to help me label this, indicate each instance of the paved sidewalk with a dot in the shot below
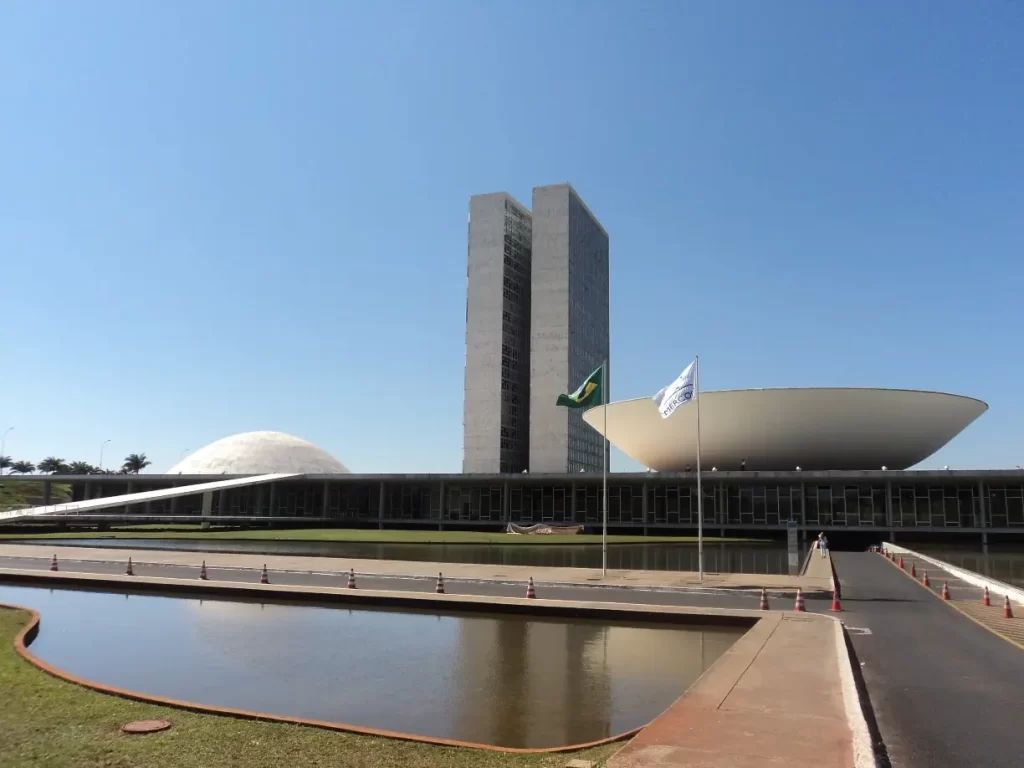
(784, 707)
(814, 580)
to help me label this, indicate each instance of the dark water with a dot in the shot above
(492, 679)
(1004, 563)
(718, 558)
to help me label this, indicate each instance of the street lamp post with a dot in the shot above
(102, 446)
(3, 444)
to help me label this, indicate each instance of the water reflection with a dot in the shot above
(490, 679)
(722, 558)
(1004, 563)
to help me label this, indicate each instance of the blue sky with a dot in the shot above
(217, 217)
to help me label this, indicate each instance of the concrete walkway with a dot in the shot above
(817, 578)
(784, 707)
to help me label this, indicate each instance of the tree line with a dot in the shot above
(51, 465)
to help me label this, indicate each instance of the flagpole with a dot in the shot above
(604, 473)
(700, 495)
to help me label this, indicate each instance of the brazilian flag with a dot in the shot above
(590, 393)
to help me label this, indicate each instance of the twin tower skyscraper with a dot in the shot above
(536, 326)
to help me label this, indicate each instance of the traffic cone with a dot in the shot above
(836, 607)
(202, 571)
(901, 563)
(799, 607)
(129, 571)
(1007, 612)
(984, 597)
(53, 564)
(440, 585)
(913, 570)
(264, 577)
(764, 600)
(530, 592)
(352, 578)
(924, 579)
(945, 591)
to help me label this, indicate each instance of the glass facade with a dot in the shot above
(515, 341)
(588, 326)
(905, 502)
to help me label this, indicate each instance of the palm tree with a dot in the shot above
(53, 466)
(135, 463)
(5, 461)
(23, 467)
(81, 468)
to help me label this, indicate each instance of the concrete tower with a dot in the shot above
(496, 420)
(569, 326)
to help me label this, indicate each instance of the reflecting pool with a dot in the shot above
(1004, 562)
(485, 678)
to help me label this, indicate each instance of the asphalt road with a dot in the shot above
(712, 598)
(945, 692)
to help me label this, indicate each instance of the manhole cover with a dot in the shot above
(146, 726)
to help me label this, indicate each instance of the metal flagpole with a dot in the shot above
(700, 495)
(604, 473)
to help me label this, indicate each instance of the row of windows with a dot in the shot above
(953, 506)
(515, 264)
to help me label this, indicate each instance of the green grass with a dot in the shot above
(16, 494)
(358, 535)
(48, 722)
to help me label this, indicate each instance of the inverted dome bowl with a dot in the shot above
(781, 429)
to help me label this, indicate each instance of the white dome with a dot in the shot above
(259, 453)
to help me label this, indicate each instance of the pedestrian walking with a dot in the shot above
(822, 544)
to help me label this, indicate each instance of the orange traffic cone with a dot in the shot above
(53, 564)
(836, 607)
(202, 571)
(913, 570)
(799, 607)
(984, 597)
(924, 579)
(1007, 612)
(264, 577)
(945, 591)
(530, 592)
(440, 585)
(352, 578)
(764, 600)
(901, 563)
(129, 571)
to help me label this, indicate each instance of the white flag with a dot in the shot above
(679, 392)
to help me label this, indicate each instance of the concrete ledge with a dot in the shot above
(366, 597)
(673, 581)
